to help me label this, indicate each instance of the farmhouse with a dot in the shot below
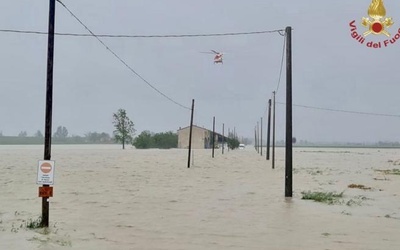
(201, 138)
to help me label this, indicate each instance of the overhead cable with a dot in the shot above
(282, 59)
(120, 59)
(342, 111)
(144, 36)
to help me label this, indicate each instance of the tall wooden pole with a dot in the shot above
(273, 133)
(258, 137)
(223, 137)
(213, 137)
(190, 134)
(261, 136)
(49, 104)
(268, 128)
(255, 138)
(229, 134)
(289, 136)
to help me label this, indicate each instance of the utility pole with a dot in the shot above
(269, 128)
(273, 135)
(261, 136)
(223, 137)
(258, 138)
(255, 138)
(49, 104)
(229, 134)
(289, 136)
(213, 139)
(190, 134)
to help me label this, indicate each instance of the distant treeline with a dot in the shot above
(144, 140)
(38, 139)
(60, 136)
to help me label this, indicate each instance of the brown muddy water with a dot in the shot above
(108, 198)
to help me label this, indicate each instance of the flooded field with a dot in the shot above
(108, 198)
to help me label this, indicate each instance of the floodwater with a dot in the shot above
(108, 198)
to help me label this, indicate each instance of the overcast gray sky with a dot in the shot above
(330, 69)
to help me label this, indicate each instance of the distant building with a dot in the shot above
(201, 138)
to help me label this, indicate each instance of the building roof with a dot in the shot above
(193, 126)
(202, 129)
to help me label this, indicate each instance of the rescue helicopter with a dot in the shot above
(218, 56)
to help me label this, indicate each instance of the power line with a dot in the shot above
(280, 71)
(283, 56)
(120, 59)
(342, 110)
(144, 36)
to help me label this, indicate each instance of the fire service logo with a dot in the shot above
(376, 24)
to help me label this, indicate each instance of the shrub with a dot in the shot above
(324, 197)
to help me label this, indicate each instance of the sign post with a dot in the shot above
(49, 105)
(45, 177)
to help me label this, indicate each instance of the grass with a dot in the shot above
(34, 224)
(324, 197)
(317, 172)
(359, 186)
(345, 212)
(394, 171)
(397, 162)
(353, 202)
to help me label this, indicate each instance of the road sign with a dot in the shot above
(45, 174)
(45, 191)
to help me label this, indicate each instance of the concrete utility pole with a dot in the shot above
(273, 134)
(258, 137)
(261, 136)
(229, 134)
(255, 138)
(223, 137)
(190, 134)
(289, 136)
(268, 128)
(213, 139)
(49, 104)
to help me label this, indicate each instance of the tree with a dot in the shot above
(144, 140)
(22, 134)
(94, 137)
(38, 134)
(61, 132)
(232, 141)
(124, 127)
(166, 140)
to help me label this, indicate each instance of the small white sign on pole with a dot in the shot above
(45, 174)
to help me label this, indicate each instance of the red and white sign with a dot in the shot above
(45, 174)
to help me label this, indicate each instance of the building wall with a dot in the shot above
(200, 137)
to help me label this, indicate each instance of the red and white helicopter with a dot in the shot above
(218, 56)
